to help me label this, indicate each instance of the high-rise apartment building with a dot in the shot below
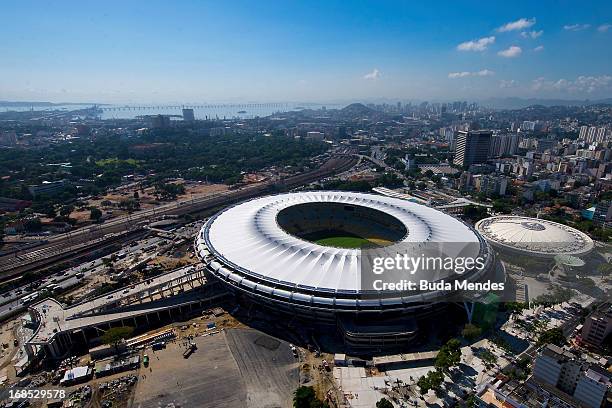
(472, 147)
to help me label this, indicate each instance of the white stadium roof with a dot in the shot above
(248, 242)
(534, 236)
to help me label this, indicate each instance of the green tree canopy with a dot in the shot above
(384, 403)
(471, 332)
(115, 335)
(305, 397)
(432, 381)
(95, 214)
(553, 336)
(449, 355)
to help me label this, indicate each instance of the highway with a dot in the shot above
(85, 238)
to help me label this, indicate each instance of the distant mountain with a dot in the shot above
(357, 109)
(518, 103)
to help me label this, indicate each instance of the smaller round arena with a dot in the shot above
(533, 237)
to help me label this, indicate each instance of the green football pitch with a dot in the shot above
(343, 242)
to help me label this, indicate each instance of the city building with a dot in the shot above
(11, 204)
(602, 216)
(565, 372)
(47, 187)
(472, 147)
(220, 131)
(188, 115)
(315, 135)
(491, 185)
(557, 367)
(503, 144)
(528, 125)
(543, 145)
(8, 138)
(592, 387)
(597, 326)
(159, 121)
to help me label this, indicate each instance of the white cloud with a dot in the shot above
(576, 27)
(463, 74)
(532, 34)
(374, 75)
(582, 84)
(508, 83)
(511, 52)
(519, 24)
(484, 72)
(538, 83)
(539, 48)
(476, 45)
(604, 28)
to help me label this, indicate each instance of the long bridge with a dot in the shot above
(203, 106)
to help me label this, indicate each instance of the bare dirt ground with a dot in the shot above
(234, 368)
(146, 198)
(7, 335)
(208, 378)
(268, 367)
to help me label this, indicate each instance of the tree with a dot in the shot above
(471, 332)
(605, 269)
(115, 335)
(475, 213)
(66, 210)
(305, 397)
(169, 190)
(471, 401)
(95, 214)
(384, 403)
(32, 224)
(431, 381)
(449, 355)
(554, 336)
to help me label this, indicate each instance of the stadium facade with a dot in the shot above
(274, 251)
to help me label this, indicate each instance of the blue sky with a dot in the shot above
(199, 51)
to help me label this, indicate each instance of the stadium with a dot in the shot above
(533, 237)
(299, 253)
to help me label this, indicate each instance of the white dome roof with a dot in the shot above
(534, 236)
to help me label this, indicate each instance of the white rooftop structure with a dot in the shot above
(246, 246)
(534, 236)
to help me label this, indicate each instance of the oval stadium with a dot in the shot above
(300, 253)
(533, 237)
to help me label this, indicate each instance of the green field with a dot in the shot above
(342, 239)
(343, 242)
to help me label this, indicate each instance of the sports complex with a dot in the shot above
(533, 237)
(300, 253)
